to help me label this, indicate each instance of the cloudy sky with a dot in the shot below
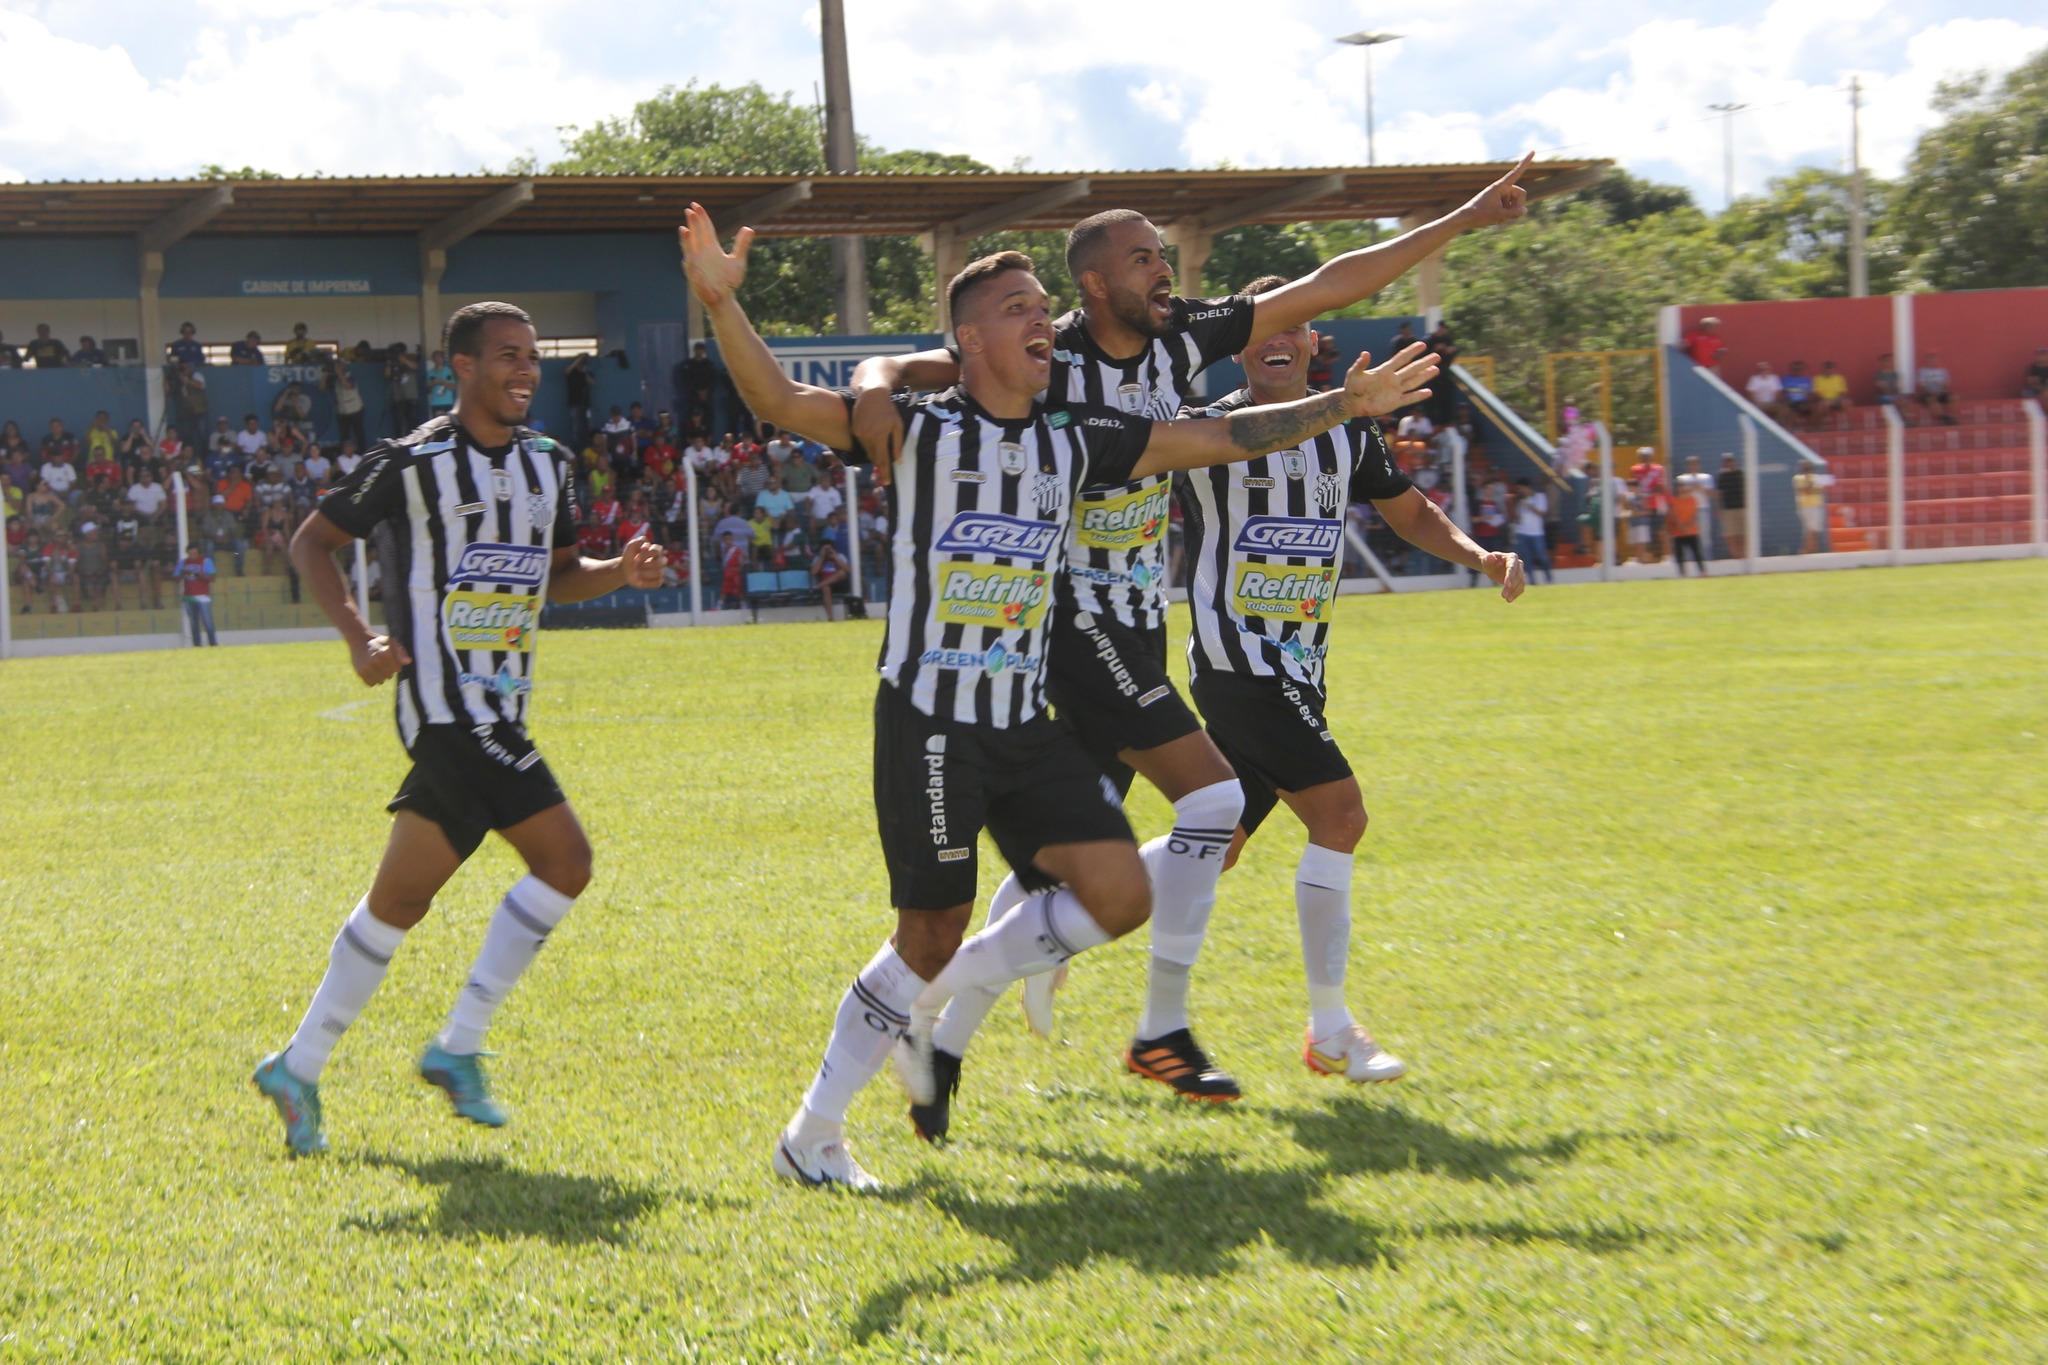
(102, 89)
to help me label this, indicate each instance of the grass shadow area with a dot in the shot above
(1355, 1137)
(483, 1199)
(1195, 1215)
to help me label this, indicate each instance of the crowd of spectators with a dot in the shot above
(92, 515)
(767, 501)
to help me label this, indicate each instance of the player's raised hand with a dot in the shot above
(1506, 570)
(878, 428)
(714, 273)
(643, 562)
(378, 658)
(1383, 389)
(1503, 201)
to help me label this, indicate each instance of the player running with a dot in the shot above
(989, 479)
(1266, 541)
(475, 519)
(1134, 346)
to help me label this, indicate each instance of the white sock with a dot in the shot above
(965, 1012)
(1184, 866)
(872, 1015)
(1322, 905)
(519, 930)
(1037, 936)
(355, 967)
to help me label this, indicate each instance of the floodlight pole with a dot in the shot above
(1368, 40)
(842, 157)
(1859, 267)
(1727, 113)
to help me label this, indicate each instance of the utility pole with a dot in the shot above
(849, 254)
(1859, 267)
(1727, 113)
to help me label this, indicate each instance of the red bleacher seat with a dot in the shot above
(1967, 485)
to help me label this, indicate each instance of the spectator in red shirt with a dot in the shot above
(633, 521)
(827, 570)
(604, 510)
(1703, 343)
(594, 539)
(732, 584)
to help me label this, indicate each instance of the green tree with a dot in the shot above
(1802, 220)
(1972, 210)
(746, 130)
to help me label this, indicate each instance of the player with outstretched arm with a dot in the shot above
(1135, 346)
(474, 517)
(1266, 542)
(988, 480)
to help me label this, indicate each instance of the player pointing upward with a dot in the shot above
(1135, 346)
(475, 521)
(988, 483)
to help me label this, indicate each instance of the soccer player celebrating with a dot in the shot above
(1266, 540)
(475, 521)
(989, 478)
(1136, 347)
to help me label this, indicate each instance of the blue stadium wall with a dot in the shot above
(636, 289)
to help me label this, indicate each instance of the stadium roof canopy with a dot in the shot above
(775, 205)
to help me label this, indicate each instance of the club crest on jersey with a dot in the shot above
(1329, 492)
(1049, 492)
(1010, 457)
(540, 508)
(1303, 536)
(992, 533)
(501, 484)
(484, 562)
(1296, 464)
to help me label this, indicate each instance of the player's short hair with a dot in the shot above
(465, 334)
(1085, 240)
(1265, 284)
(979, 273)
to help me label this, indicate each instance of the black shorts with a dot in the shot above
(1107, 683)
(938, 784)
(1273, 732)
(470, 784)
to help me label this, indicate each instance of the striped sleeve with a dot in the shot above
(370, 495)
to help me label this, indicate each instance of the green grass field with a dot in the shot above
(1708, 915)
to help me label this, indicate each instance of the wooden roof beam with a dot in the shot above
(1261, 207)
(186, 219)
(760, 209)
(998, 216)
(477, 216)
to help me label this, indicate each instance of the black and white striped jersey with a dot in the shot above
(1265, 538)
(979, 508)
(1116, 561)
(464, 537)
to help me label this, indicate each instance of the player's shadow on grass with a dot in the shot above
(1192, 1217)
(483, 1199)
(1360, 1138)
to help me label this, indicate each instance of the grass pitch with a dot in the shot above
(1709, 916)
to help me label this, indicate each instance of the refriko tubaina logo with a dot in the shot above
(1135, 518)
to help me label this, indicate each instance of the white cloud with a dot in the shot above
(127, 88)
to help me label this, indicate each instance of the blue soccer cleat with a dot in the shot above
(297, 1101)
(463, 1078)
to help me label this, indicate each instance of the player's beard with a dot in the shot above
(1134, 310)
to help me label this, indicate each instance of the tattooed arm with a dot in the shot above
(1192, 443)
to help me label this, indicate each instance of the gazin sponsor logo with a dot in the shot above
(1305, 537)
(992, 533)
(485, 562)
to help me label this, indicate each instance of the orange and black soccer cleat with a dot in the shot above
(1176, 1059)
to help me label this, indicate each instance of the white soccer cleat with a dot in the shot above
(826, 1163)
(1352, 1054)
(912, 1058)
(1036, 997)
